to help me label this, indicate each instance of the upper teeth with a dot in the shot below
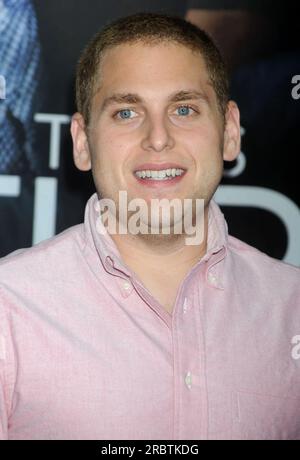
(161, 174)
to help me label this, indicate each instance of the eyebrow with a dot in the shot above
(133, 98)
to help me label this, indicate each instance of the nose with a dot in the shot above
(157, 135)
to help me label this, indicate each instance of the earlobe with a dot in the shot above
(81, 151)
(232, 134)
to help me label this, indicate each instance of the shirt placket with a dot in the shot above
(190, 393)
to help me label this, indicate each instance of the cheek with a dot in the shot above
(110, 165)
(115, 151)
(207, 157)
(106, 153)
(205, 147)
(206, 134)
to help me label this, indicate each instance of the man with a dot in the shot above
(127, 335)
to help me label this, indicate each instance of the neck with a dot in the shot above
(160, 253)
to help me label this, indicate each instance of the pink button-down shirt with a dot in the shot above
(86, 352)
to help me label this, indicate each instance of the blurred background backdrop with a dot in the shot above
(42, 193)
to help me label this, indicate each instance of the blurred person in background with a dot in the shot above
(259, 42)
(20, 66)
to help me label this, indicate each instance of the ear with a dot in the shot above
(81, 151)
(232, 134)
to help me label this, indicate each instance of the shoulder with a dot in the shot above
(268, 273)
(42, 259)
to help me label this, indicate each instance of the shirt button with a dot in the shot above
(126, 286)
(185, 305)
(212, 278)
(188, 380)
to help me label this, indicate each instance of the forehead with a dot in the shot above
(151, 68)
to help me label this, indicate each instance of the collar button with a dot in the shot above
(212, 279)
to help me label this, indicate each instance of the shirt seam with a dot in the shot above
(9, 370)
(202, 346)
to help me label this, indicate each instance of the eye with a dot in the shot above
(123, 114)
(185, 110)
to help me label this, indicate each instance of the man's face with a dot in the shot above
(168, 120)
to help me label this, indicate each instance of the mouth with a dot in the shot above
(154, 175)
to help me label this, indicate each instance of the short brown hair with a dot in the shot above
(148, 28)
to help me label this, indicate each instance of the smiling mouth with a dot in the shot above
(160, 174)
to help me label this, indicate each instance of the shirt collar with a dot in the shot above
(217, 244)
(100, 240)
